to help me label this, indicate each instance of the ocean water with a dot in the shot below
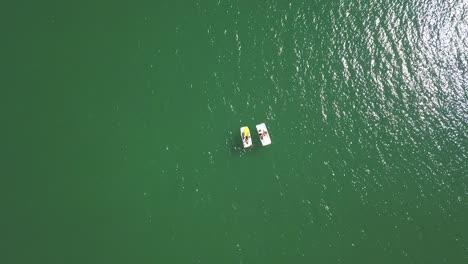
(120, 131)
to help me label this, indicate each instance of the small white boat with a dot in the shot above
(263, 134)
(246, 137)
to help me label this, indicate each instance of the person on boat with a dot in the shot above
(246, 134)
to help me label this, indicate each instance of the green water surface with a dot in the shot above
(120, 131)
